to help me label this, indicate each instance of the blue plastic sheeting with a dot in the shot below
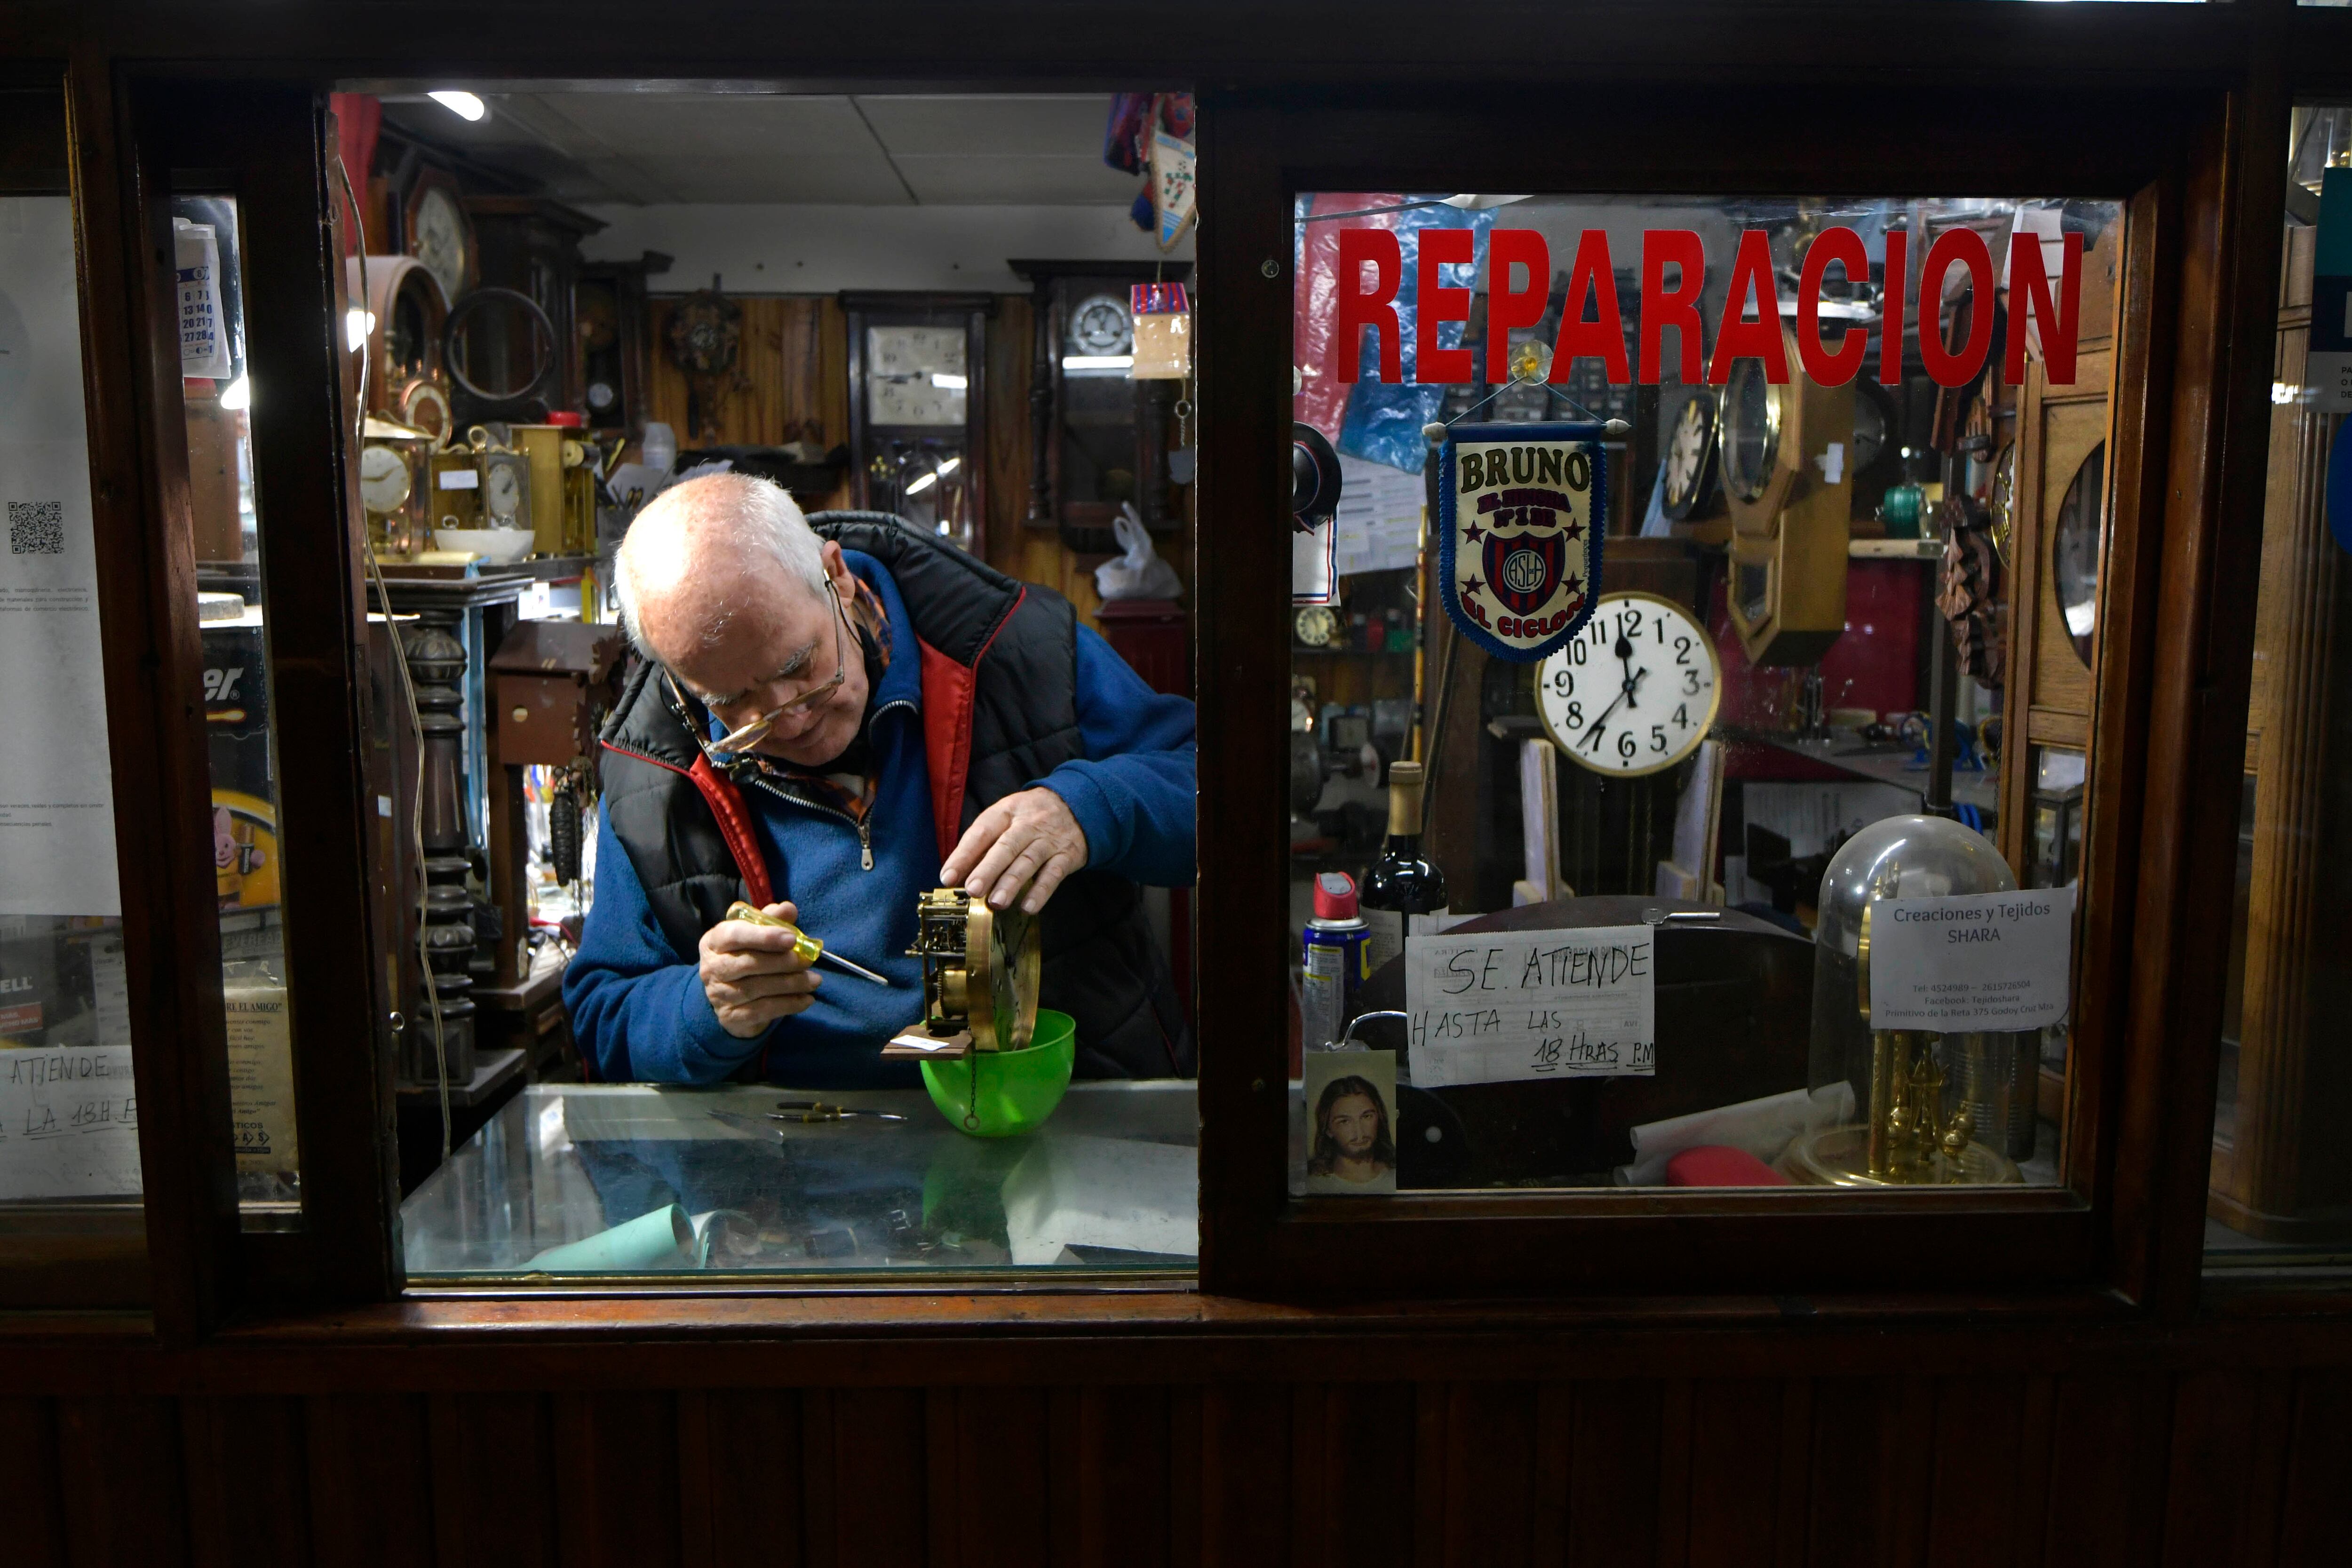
(1384, 423)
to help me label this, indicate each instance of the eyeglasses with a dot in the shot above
(745, 736)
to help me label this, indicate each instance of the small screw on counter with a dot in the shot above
(803, 945)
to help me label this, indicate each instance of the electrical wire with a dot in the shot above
(416, 717)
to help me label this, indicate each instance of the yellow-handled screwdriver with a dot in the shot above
(805, 947)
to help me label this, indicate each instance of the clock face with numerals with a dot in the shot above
(1634, 692)
(915, 375)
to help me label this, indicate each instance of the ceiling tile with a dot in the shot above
(741, 179)
(988, 179)
(1058, 125)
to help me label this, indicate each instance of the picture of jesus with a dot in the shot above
(1352, 1146)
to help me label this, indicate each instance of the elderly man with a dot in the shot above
(829, 721)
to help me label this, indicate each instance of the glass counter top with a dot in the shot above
(571, 1179)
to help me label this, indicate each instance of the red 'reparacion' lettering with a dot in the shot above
(1371, 266)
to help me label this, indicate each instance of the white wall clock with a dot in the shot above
(1634, 692)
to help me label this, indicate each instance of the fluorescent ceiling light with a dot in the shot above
(1097, 362)
(458, 101)
(946, 382)
(920, 485)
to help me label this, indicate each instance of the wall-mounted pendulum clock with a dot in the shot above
(919, 409)
(1100, 438)
(1788, 473)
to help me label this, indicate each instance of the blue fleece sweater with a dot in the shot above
(637, 1006)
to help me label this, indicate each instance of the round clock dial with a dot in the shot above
(383, 480)
(440, 240)
(1634, 692)
(1690, 457)
(1316, 626)
(502, 493)
(1751, 431)
(1100, 325)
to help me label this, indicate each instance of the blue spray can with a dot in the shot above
(1336, 958)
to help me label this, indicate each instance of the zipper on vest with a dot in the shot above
(865, 825)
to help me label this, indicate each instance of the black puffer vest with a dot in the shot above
(1000, 709)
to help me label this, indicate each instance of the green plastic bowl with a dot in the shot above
(1002, 1094)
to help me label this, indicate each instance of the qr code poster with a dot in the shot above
(37, 527)
(57, 801)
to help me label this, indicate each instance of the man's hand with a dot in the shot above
(1028, 836)
(752, 975)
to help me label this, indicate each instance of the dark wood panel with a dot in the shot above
(371, 1480)
(2318, 1467)
(28, 1451)
(2106, 1477)
(119, 1474)
(249, 1497)
(494, 1493)
(735, 1444)
(865, 1498)
(1734, 1444)
(1246, 1516)
(2215, 1467)
(618, 1482)
(1491, 1479)
(1614, 1431)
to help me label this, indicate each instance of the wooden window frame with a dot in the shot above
(2179, 160)
(2129, 1224)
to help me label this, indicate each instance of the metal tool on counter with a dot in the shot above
(804, 946)
(819, 1111)
(765, 1123)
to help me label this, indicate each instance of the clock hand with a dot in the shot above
(1621, 697)
(1625, 657)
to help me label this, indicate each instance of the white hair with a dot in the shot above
(736, 514)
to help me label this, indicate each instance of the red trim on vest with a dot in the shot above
(735, 825)
(948, 689)
(734, 820)
(947, 739)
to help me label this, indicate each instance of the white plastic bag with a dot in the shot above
(1139, 573)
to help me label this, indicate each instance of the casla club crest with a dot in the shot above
(1519, 557)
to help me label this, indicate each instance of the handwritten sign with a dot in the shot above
(1977, 962)
(69, 1123)
(1495, 1006)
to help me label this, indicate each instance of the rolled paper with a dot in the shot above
(661, 1239)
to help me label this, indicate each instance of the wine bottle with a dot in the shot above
(1401, 884)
